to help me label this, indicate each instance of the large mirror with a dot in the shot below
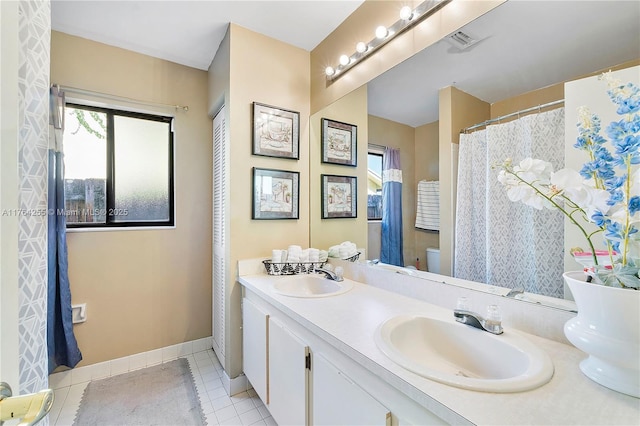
(518, 55)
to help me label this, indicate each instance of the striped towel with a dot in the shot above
(428, 209)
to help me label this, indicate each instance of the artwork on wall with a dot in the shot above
(276, 132)
(339, 143)
(339, 196)
(275, 194)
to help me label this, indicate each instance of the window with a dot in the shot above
(118, 168)
(374, 186)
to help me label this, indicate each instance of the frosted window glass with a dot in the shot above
(141, 171)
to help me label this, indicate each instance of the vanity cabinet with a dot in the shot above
(303, 380)
(255, 329)
(338, 400)
(288, 375)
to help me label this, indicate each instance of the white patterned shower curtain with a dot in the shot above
(500, 242)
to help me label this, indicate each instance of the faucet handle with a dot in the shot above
(463, 304)
(339, 271)
(494, 314)
(493, 321)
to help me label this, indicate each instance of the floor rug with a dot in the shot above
(160, 395)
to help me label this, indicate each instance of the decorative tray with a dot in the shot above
(291, 268)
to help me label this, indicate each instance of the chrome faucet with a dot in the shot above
(491, 324)
(330, 274)
(515, 291)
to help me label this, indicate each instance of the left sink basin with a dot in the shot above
(309, 285)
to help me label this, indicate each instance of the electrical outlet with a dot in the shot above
(79, 313)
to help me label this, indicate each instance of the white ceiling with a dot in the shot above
(526, 44)
(189, 32)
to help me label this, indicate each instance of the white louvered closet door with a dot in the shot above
(219, 224)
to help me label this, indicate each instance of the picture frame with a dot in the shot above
(339, 196)
(276, 132)
(276, 194)
(339, 142)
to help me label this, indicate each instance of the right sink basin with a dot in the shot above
(459, 355)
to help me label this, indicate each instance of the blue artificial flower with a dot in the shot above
(613, 234)
(628, 145)
(615, 246)
(581, 143)
(599, 219)
(616, 197)
(588, 169)
(626, 104)
(616, 130)
(615, 182)
(634, 205)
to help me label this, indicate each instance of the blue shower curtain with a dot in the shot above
(62, 345)
(391, 245)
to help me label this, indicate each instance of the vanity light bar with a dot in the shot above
(408, 19)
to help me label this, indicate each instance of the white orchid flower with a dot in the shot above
(507, 179)
(581, 192)
(596, 200)
(526, 195)
(531, 169)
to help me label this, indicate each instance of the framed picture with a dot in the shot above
(276, 132)
(339, 142)
(275, 194)
(339, 196)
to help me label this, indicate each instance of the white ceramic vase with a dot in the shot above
(607, 328)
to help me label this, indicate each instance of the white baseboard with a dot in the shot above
(236, 385)
(125, 364)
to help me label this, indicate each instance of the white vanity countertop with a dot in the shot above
(349, 321)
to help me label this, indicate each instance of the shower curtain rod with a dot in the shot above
(513, 114)
(119, 98)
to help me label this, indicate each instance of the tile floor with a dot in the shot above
(245, 408)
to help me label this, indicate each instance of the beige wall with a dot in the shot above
(151, 288)
(324, 233)
(271, 72)
(457, 110)
(427, 167)
(544, 95)
(395, 135)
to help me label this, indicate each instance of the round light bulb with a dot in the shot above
(361, 47)
(344, 60)
(329, 71)
(406, 13)
(381, 32)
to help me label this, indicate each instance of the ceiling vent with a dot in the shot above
(462, 40)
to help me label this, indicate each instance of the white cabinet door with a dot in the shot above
(255, 323)
(339, 401)
(288, 376)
